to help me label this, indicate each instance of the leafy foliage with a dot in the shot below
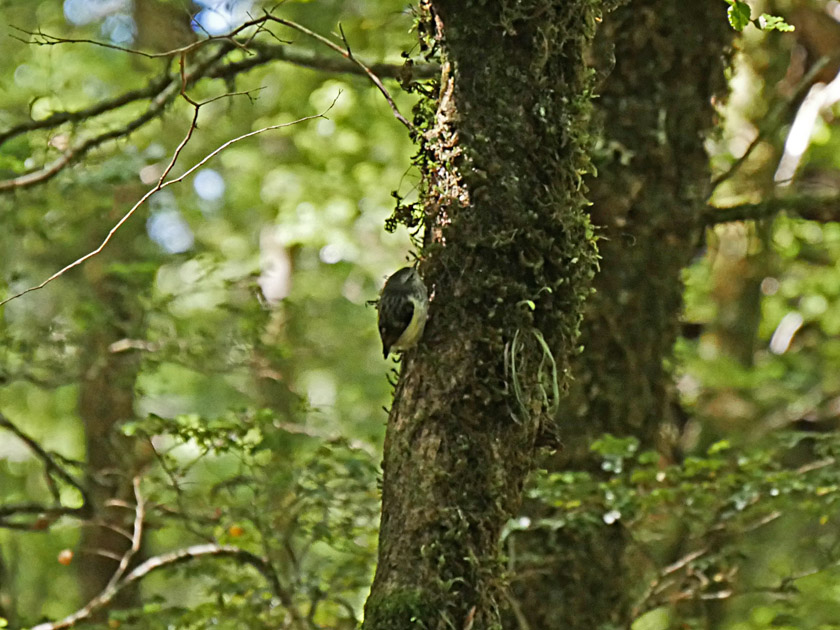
(229, 312)
(697, 529)
(739, 15)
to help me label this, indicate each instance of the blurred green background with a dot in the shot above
(221, 349)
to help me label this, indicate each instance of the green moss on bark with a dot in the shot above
(655, 107)
(510, 254)
(403, 609)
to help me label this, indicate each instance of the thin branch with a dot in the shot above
(102, 553)
(179, 493)
(44, 39)
(46, 515)
(97, 522)
(353, 64)
(160, 186)
(813, 208)
(772, 121)
(155, 87)
(264, 53)
(121, 579)
(816, 465)
(50, 463)
(73, 154)
(346, 53)
(158, 562)
(136, 536)
(163, 92)
(30, 507)
(660, 583)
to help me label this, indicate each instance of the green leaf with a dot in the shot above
(719, 446)
(739, 15)
(609, 444)
(767, 22)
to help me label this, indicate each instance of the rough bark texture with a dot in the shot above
(656, 108)
(509, 254)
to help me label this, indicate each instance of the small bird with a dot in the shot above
(403, 308)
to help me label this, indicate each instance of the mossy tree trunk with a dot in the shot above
(656, 108)
(509, 254)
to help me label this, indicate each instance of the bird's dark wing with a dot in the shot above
(393, 322)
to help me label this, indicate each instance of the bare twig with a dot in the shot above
(50, 463)
(180, 556)
(160, 186)
(40, 38)
(163, 91)
(155, 87)
(263, 53)
(46, 515)
(97, 522)
(74, 153)
(373, 72)
(661, 582)
(179, 493)
(136, 536)
(772, 121)
(346, 53)
(816, 465)
(121, 578)
(813, 208)
(102, 553)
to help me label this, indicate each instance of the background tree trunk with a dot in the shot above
(106, 400)
(509, 253)
(656, 108)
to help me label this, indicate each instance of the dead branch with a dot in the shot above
(813, 208)
(264, 53)
(347, 54)
(160, 186)
(180, 556)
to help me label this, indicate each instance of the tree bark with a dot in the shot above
(106, 400)
(509, 254)
(656, 107)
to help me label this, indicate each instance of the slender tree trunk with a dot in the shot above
(106, 399)
(509, 254)
(656, 108)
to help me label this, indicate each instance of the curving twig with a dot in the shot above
(347, 54)
(49, 461)
(180, 556)
(121, 578)
(390, 70)
(264, 53)
(822, 208)
(771, 122)
(160, 186)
